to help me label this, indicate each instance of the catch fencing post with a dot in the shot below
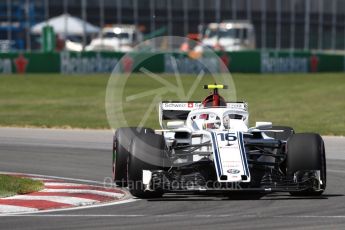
(306, 24)
(83, 7)
(320, 25)
(234, 10)
(278, 28)
(292, 25)
(334, 24)
(9, 22)
(263, 24)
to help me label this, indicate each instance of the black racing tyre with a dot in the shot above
(121, 144)
(305, 155)
(288, 132)
(147, 153)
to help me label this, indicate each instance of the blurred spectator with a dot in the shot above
(60, 43)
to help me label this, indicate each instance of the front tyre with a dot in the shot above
(306, 160)
(121, 145)
(147, 153)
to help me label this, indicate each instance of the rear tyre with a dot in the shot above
(147, 153)
(121, 143)
(306, 160)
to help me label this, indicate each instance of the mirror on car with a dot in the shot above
(263, 125)
(175, 124)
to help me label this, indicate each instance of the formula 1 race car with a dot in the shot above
(207, 147)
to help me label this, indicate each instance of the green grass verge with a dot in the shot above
(11, 185)
(307, 102)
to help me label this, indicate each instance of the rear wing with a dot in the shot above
(179, 110)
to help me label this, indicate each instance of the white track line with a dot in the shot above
(69, 209)
(38, 178)
(62, 184)
(335, 171)
(211, 216)
(96, 192)
(56, 177)
(12, 208)
(60, 199)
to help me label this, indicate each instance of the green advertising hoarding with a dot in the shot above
(104, 62)
(29, 63)
(88, 62)
(301, 61)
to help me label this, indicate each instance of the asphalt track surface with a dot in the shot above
(87, 155)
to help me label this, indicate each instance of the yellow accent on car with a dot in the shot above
(215, 87)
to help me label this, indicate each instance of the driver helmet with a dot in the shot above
(212, 121)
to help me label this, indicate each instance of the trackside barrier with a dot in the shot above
(253, 61)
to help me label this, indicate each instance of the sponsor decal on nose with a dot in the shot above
(233, 171)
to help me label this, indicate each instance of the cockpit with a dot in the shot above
(217, 118)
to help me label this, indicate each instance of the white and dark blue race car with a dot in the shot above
(207, 146)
